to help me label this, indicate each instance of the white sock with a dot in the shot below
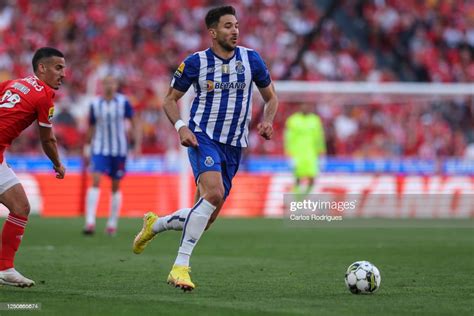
(174, 221)
(92, 198)
(115, 205)
(193, 228)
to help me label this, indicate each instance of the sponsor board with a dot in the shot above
(255, 195)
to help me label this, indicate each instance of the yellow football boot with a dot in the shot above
(179, 277)
(146, 234)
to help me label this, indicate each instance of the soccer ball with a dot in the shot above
(362, 277)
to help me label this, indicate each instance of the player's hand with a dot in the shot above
(60, 171)
(187, 138)
(265, 129)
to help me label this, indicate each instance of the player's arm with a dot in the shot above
(87, 143)
(86, 150)
(261, 77)
(45, 112)
(90, 133)
(136, 134)
(49, 144)
(183, 78)
(186, 136)
(265, 128)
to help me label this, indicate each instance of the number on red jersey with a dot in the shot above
(9, 99)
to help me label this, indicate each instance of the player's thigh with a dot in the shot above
(211, 186)
(230, 161)
(15, 200)
(8, 178)
(12, 194)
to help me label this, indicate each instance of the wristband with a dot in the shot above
(179, 124)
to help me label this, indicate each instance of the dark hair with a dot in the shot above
(44, 52)
(213, 16)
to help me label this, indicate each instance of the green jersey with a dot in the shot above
(304, 136)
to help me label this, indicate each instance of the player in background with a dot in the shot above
(107, 147)
(22, 102)
(223, 77)
(304, 143)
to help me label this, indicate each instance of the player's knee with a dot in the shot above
(96, 180)
(21, 208)
(115, 185)
(214, 196)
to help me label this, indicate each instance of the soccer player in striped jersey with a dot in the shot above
(23, 101)
(223, 78)
(107, 147)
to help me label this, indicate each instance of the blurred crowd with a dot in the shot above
(143, 41)
(426, 130)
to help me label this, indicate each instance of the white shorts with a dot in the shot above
(8, 178)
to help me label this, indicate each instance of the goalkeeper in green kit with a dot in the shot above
(304, 143)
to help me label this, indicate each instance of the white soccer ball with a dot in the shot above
(362, 277)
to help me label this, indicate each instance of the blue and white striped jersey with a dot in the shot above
(108, 117)
(223, 105)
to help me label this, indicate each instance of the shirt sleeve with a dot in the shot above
(260, 73)
(128, 110)
(45, 112)
(186, 74)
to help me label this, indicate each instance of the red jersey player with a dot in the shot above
(22, 101)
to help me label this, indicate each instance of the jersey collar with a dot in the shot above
(224, 60)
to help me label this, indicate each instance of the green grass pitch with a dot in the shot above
(249, 267)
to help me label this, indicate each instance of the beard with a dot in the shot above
(227, 46)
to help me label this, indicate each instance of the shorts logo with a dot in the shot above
(179, 72)
(50, 113)
(239, 67)
(209, 162)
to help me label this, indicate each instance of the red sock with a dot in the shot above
(12, 233)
